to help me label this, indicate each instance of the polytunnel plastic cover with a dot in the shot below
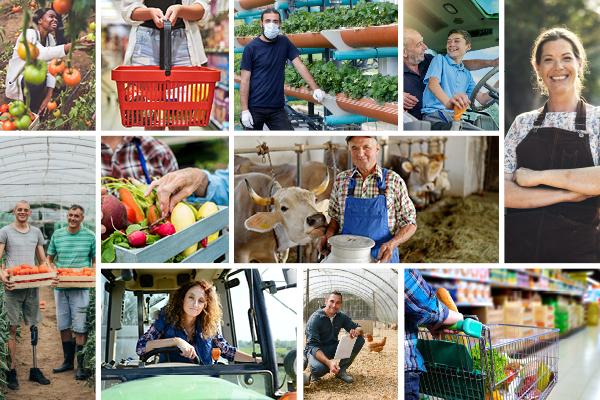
(367, 294)
(51, 173)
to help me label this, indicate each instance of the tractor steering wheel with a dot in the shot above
(168, 350)
(493, 92)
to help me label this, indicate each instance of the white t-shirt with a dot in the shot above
(564, 120)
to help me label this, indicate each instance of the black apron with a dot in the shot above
(563, 232)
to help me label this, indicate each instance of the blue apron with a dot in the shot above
(369, 217)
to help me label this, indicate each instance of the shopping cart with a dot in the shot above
(504, 362)
(165, 96)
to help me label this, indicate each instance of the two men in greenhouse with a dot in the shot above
(73, 246)
(263, 76)
(371, 201)
(21, 243)
(322, 331)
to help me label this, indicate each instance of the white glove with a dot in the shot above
(318, 95)
(247, 119)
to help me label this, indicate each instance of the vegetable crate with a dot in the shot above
(33, 280)
(170, 246)
(76, 281)
(508, 362)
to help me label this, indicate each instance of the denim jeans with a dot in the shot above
(318, 369)
(147, 47)
(411, 385)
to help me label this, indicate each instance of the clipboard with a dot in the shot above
(344, 348)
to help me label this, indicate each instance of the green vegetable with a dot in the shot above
(117, 238)
(499, 360)
(35, 73)
(16, 108)
(23, 122)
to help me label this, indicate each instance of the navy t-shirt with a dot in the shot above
(266, 63)
(414, 84)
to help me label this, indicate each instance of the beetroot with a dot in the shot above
(163, 230)
(137, 239)
(114, 215)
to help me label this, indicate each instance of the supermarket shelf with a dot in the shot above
(474, 304)
(452, 277)
(502, 285)
(572, 332)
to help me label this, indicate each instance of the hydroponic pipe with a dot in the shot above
(315, 3)
(346, 119)
(362, 54)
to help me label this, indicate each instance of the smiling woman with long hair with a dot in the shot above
(191, 321)
(553, 224)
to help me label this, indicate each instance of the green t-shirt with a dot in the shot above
(72, 250)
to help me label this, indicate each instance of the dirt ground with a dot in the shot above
(63, 386)
(375, 375)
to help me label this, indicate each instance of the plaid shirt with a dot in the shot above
(124, 162)
(421, 307)
(401, 210)
(218, 341)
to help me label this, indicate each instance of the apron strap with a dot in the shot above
(142, 160)
(541, 116)
(580, 118)
(381, 183)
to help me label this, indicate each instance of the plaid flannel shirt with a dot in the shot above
(421, 307)
(124, 162)
(401, 210)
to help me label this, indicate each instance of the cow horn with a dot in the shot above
(256, 198)
(319, 190)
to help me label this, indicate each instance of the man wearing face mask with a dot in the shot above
(262, 76)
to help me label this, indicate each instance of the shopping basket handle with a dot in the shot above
(165, 47)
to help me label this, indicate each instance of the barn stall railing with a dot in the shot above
(434, 143)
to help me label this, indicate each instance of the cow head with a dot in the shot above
(425, 169)
(294, 213)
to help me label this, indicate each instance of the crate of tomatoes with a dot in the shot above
(27, 276)
(76, 278)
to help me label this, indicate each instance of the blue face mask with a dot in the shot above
(270, 30)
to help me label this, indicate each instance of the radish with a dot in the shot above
(137, 239)
(114, 215)
(163, 230)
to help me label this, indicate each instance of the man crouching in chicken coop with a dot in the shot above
(322, 331)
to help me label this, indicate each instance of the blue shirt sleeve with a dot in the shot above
(420, 302)
(227, 351)
(470, 84)
(292, 51)
(313, 339)
(217, 190)
(246, 63)
(435, 69)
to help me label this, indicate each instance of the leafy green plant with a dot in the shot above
(347, 79)
(89, 349)
(362, 14)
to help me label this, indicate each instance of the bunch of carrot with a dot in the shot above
(76, 272)
(25, 269)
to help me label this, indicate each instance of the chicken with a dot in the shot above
(375, 346)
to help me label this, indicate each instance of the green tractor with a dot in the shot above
(131, 301)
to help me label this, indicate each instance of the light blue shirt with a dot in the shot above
(454, 78)
(217, 190)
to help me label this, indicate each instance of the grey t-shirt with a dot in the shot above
(20, 247)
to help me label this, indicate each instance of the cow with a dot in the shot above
(263, 235)
(313, 172)
(424, 176)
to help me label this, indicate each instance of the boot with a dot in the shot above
(11, 379)
(81, 373)
(35, 375)
(344, 376)
(69, 354)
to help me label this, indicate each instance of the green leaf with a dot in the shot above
(133, 228)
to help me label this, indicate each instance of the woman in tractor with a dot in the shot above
(547, 221)
(191, 322)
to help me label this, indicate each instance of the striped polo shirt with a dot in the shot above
(74, 250)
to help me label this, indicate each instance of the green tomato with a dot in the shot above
(16, 108)
(92, 27)
(35, 74)
(23, 122)
(90, 37)
(59, 81)
(56, 113)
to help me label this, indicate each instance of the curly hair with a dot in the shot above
(209, 319)
(550, 35)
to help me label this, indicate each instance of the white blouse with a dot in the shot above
(564, 120)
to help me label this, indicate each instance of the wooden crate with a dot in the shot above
(172, 245)
(39, 280)
(74, 282)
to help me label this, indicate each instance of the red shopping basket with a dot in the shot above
(164, 96)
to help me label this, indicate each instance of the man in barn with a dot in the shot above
(21, 243)
(371, 201)
(322, 331)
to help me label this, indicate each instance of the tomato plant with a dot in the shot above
(61, 6)
(56, 114)
(35, 73)
(51, 106)
(34, 52)
(56, 67)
